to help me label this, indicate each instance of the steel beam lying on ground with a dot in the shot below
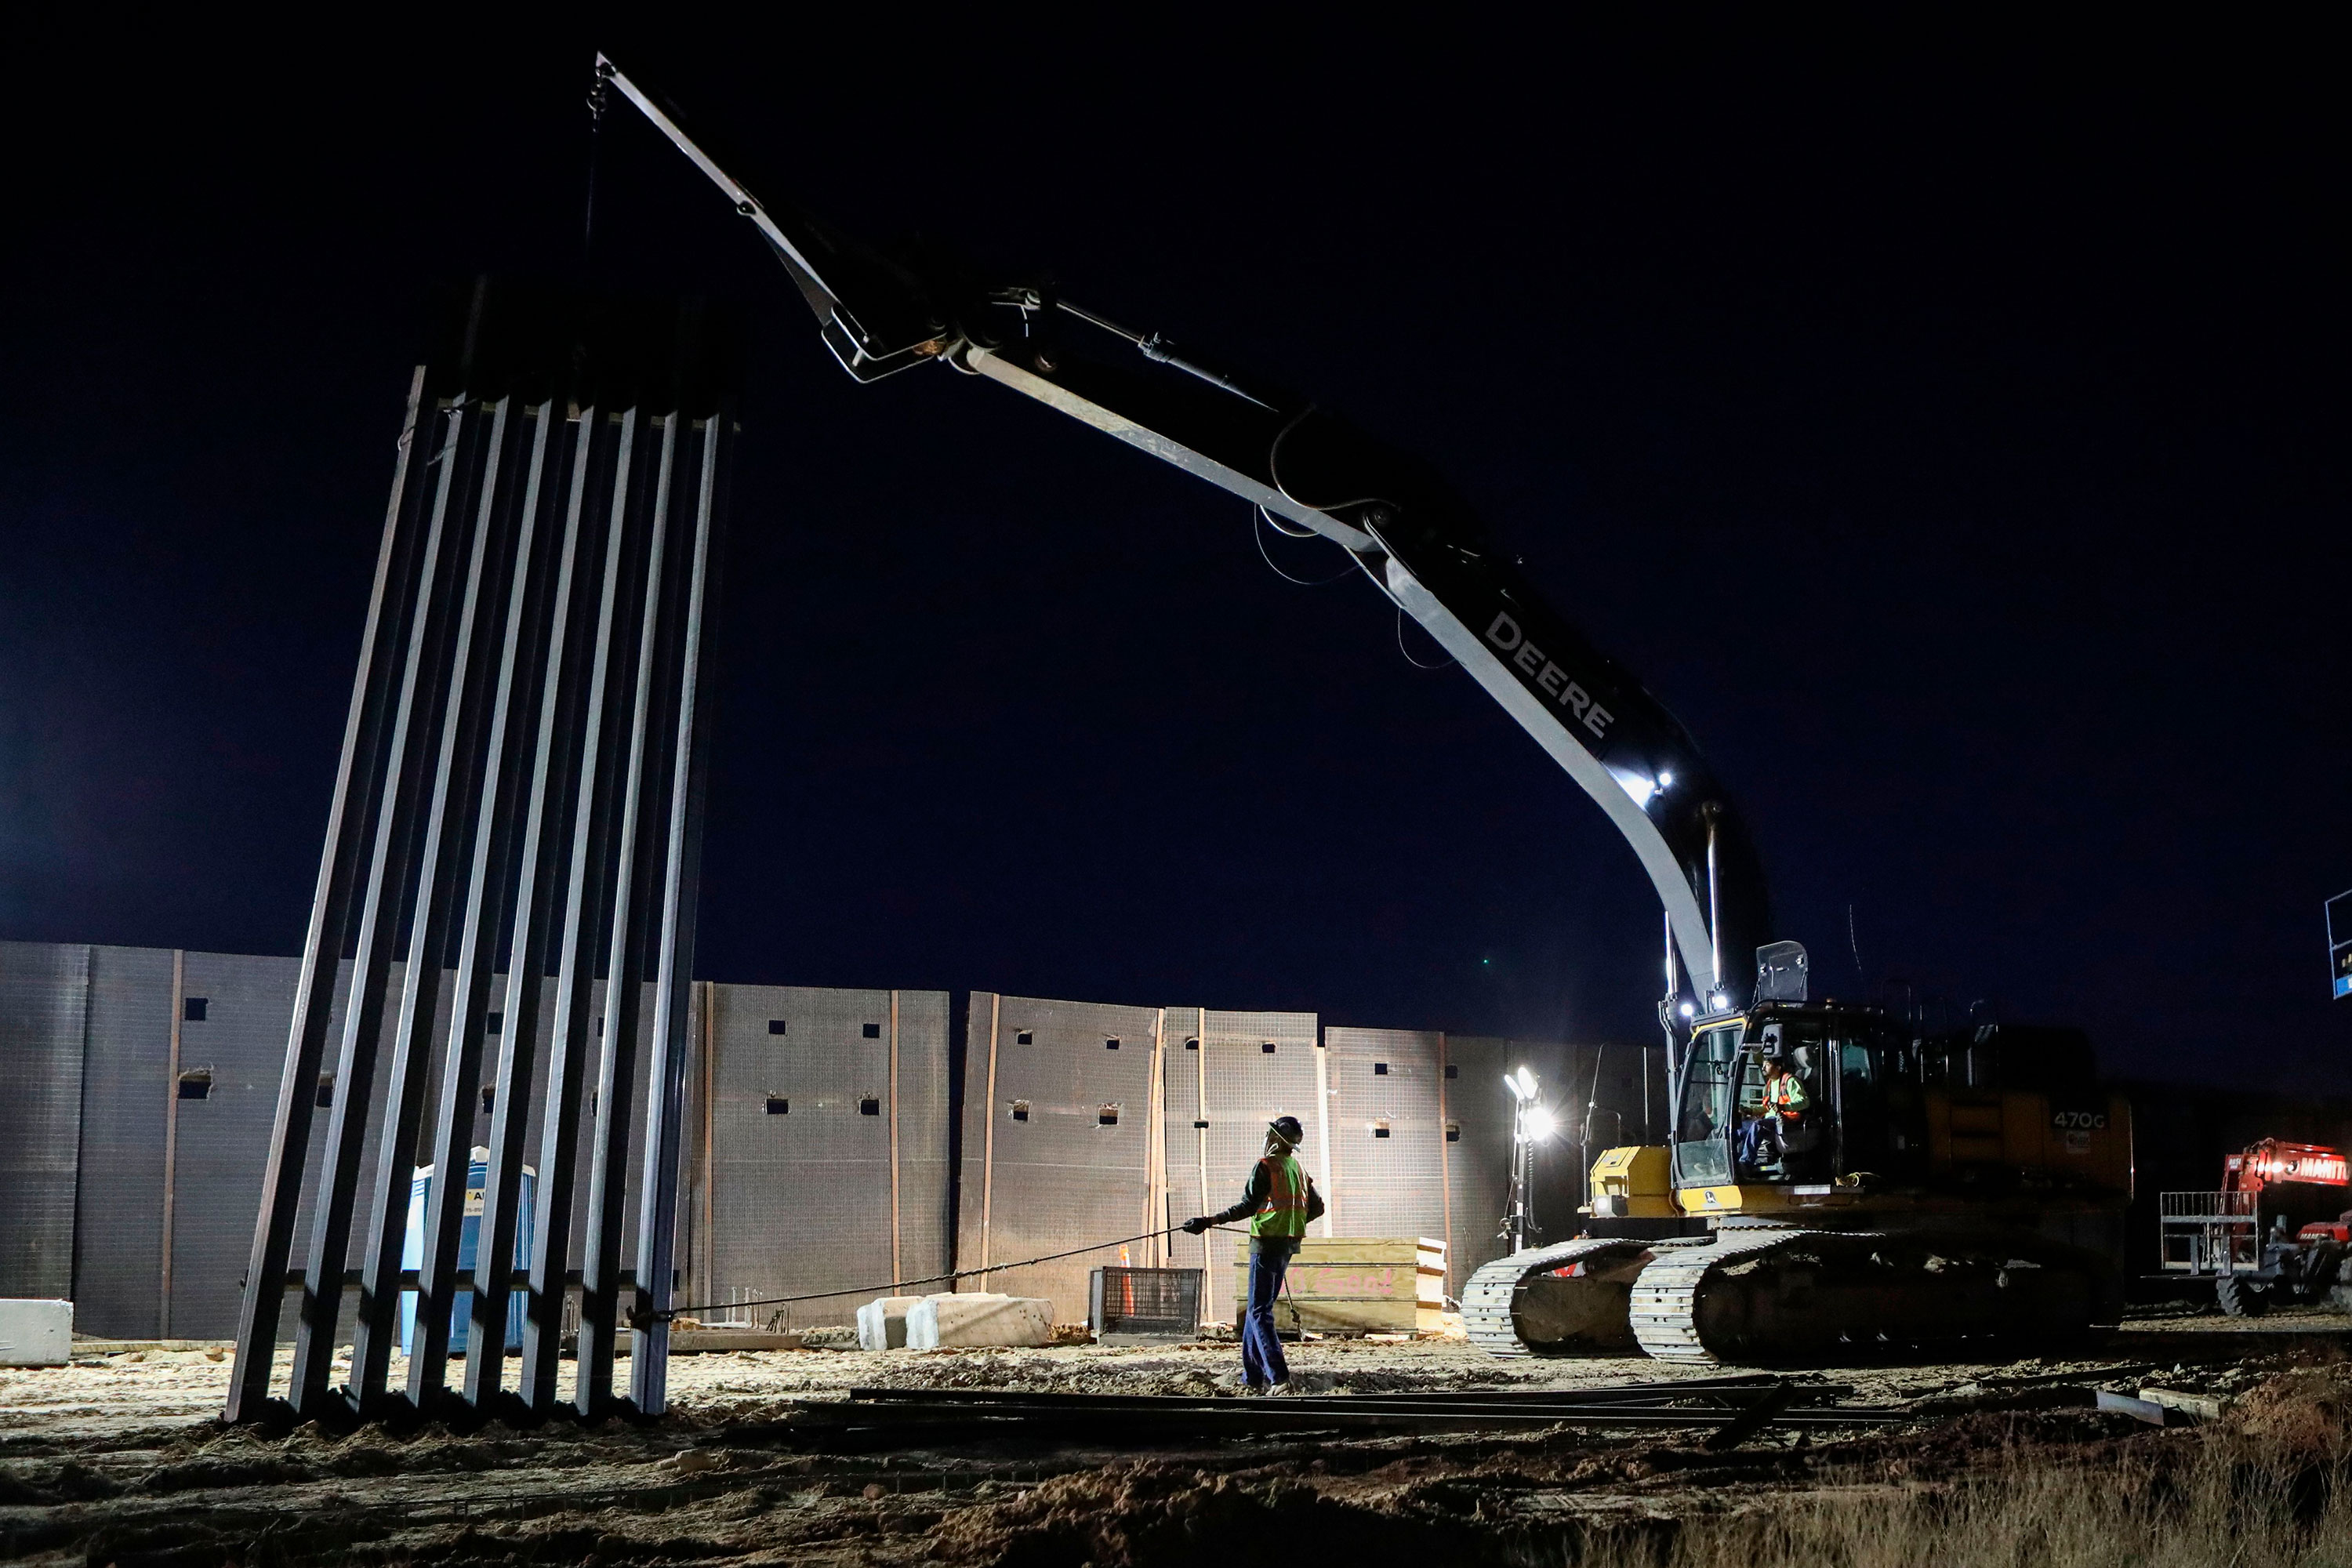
(522, 767)
(1730, 1410)
(1737, 1390)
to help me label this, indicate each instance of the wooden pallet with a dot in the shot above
(1355, 1285)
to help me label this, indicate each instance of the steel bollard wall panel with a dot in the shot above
(44, 1008)
(216, 1146)
(1386, 1141)
(532, 654)
(584, 1156)
(221, 1139)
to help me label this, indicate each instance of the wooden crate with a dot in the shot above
(1355, 1285)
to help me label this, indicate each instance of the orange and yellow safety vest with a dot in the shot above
(1283, 1212)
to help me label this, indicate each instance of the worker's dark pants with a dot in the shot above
(1759, 1136)
(1262, 1362)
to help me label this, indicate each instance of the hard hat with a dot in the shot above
(1287, 1128)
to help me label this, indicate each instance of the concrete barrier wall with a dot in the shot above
(44, 1005)
(139, 1201)
(162, 1182)
(215, 1147)
(1477, 1125)
(1044, 1170)
(118, 1236)
(827, 1136)
(1389, 1173)
(1247, 1085)
(1057, 1140)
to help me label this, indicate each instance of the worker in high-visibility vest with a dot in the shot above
(1781, 1112)
(1280, 1202)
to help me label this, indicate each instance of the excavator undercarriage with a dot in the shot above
(1768, 1295)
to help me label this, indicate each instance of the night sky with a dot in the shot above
(1950, 430)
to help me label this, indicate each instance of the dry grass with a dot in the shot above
(2225, 1502)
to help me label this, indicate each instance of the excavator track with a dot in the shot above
(1665, 1298)
(1764, 1295)
(1564, 1299)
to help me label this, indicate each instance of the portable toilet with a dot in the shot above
(412, 1251)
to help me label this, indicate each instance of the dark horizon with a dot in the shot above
(1951, 435)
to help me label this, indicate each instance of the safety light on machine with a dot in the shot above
(1536, 1124)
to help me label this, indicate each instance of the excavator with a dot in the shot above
(1959, 1194)
(1939, 1191)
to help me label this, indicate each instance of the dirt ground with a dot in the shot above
(121, 1459)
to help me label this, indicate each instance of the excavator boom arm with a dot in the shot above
(1416, 542)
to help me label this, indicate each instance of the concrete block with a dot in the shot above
(2196, 1407)
(966, 1320)
(35, 1333)
(882, 1322)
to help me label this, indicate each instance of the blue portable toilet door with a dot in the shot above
(412, 1252)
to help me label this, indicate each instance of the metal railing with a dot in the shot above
(2209, 1233)
(2229, 1206)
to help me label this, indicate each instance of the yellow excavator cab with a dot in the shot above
(1633, 1183)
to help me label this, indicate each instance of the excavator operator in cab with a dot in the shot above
(1771, 1123)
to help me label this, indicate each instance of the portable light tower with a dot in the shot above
(1531, 1123)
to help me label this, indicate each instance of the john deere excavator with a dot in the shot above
(1935, 1189)
(1945, 1193)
